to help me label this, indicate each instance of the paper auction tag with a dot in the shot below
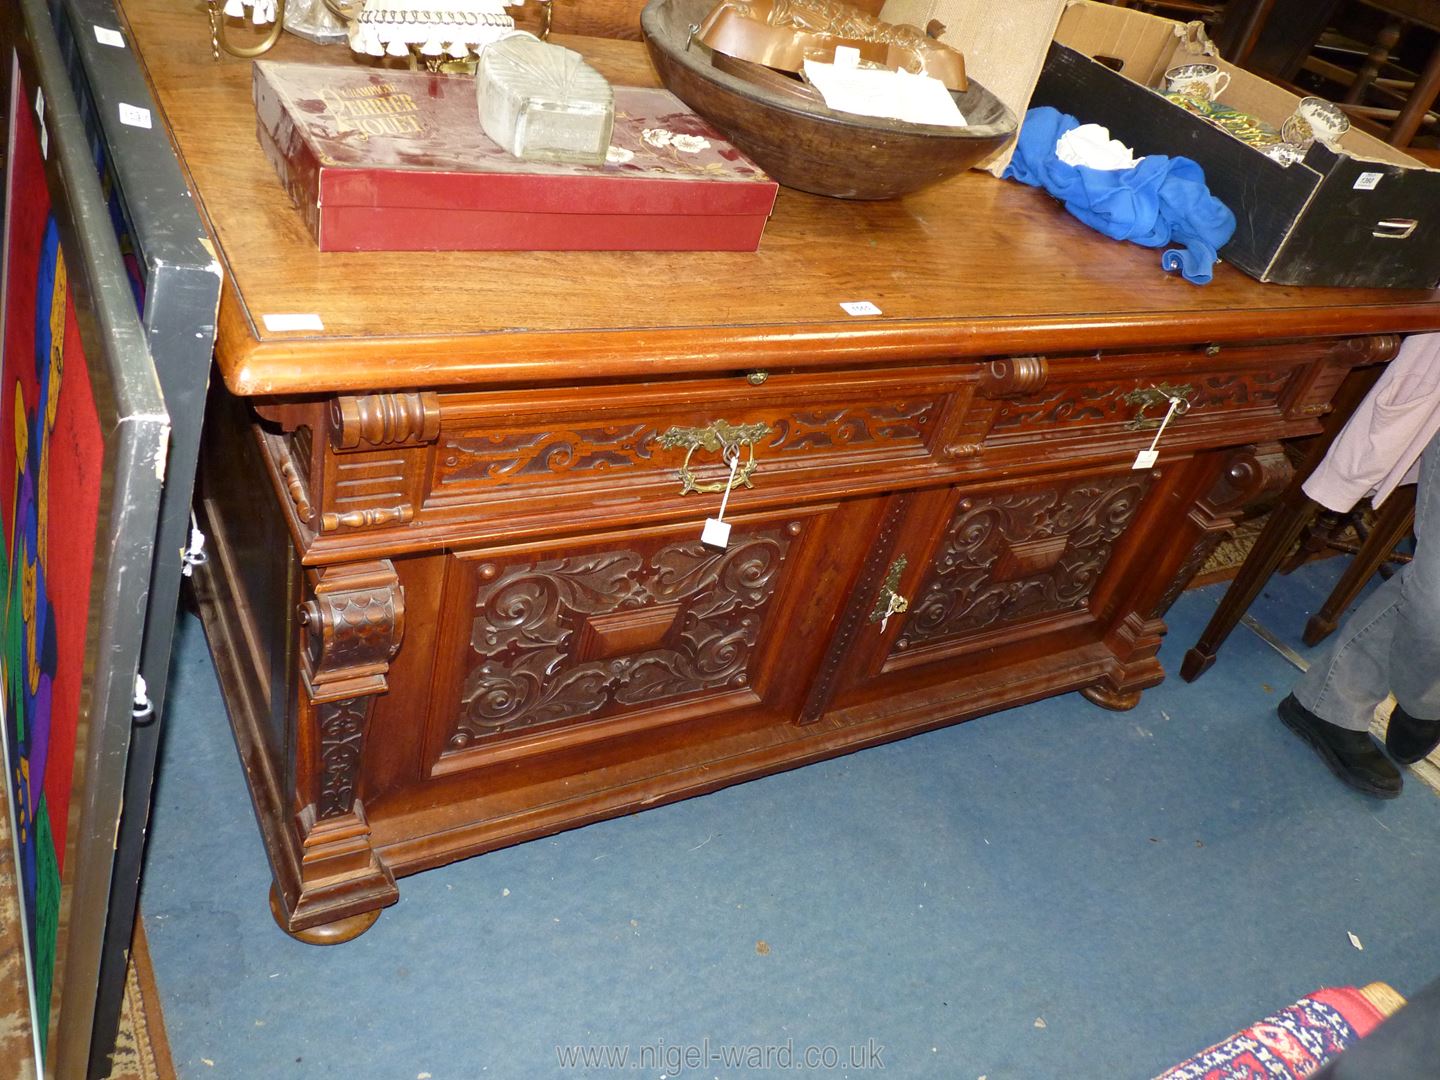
(134, 116)
(280, 323)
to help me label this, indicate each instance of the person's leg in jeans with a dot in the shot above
(1391, 644)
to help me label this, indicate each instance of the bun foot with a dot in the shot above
(330, 933)
(1116, 701)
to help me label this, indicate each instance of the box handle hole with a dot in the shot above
(1394, 228)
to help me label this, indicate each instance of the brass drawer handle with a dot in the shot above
(890, 602)
(1149, 397)
(719, 437)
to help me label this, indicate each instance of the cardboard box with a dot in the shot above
(1004, 46)
(381, 160)
(1368, 215)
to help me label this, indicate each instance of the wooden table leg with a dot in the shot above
(1395, 520)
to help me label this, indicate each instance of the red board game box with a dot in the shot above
(397, 161)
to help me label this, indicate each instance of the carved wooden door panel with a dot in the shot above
(1005, 574)
(553, 646)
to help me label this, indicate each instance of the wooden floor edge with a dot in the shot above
(158, 1035)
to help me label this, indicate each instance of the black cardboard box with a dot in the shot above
(1368, 215)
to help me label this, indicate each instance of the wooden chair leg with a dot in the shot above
(1287, 522)
(1320, 538)
(1248, 22)
(1393, 524)
(1422, 97)
(1375, 61)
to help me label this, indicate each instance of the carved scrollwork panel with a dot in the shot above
(824, 429)
(535, 626)
(493, 459)
(1019, 556)
(1101, 403)
(594, 451)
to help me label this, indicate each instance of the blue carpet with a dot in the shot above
(1054, 891)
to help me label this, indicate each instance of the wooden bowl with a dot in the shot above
(811, 147)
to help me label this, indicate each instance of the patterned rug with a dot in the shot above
(1297, 1040)
(141, 1049)
(1230, 553)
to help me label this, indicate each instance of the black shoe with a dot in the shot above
(1351, 755)
(1409, 739)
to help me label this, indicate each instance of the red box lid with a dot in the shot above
(360, 137)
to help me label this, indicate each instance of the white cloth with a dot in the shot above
(1380, 445)
(1091, 145)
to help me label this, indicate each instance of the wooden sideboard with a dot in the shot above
(459, 599)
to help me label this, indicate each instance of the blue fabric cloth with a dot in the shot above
(1162, 200)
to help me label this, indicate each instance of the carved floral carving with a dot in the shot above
(532, 623)
(342, 737)
(1013, 557)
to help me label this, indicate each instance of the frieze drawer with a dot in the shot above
(447, 467)
(1080, 402)
(660, 442)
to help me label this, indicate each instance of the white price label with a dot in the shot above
(716, 533)
(1368, 181)
(106, 36)
(860, 307)
(134, 116)
(280, 323)
(1146, 459)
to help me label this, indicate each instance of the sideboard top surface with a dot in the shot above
(971, 267)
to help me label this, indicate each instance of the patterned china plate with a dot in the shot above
(1246, 128)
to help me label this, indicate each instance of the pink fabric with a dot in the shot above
(1379, 446)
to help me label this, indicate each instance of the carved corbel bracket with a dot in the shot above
(1314, 395)
(1249, 475)
(352, 628)
(1014, 376)
(384, 421)
(1375, 349)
